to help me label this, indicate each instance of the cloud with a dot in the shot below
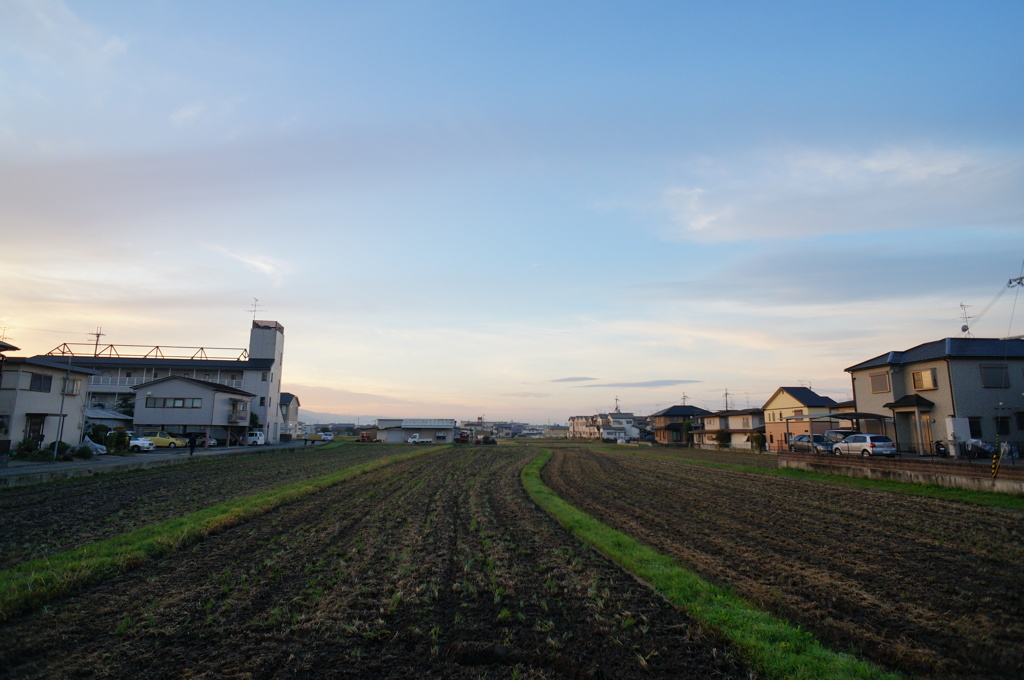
(47, 30)
(559, 380)
(646, 383)
(527, 395)
(814, 193)
(187, 114)
(274, 269)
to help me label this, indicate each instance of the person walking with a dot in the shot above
(192, 441)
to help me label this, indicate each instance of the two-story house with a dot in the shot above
(185, 405)
(789, 412)
(673, 424)
(948, 390)
(728, 429)
(43, 399)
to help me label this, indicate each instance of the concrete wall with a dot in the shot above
(955, 474)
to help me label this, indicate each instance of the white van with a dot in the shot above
(255, 438)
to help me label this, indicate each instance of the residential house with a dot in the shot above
(256, 370)
(735, 426)
(184, 405)
(612, 426)
(949, 390)
(789, 412)
(673, 424)
(289, 405)
(43, 399)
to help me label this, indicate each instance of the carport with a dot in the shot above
(856, 417)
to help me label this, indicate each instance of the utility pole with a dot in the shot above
(98, 333)
(726, 395)
(684, 398)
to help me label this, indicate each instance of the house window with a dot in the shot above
(39, 382)
(5, 426)
(263, 401)
(127, 374)
(975, 423)
(264, 376)
(1002, 425)
(924, 380)
(746, 423)
(72, 387)
(879, 383)
(1020, 419)
(798, 411)
(995, 375)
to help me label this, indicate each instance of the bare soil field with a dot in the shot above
(438, 566)
(36, 521)
(922, 586)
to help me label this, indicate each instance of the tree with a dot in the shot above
(126, 405)
(724, 438)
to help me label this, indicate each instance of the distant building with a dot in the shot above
(398, 430)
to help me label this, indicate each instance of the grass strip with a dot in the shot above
(779, 649)
(31, 584)
(946, 493)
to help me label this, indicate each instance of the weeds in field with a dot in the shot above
(35, 582)
(781, 650)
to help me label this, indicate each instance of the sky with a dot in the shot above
(519, 210)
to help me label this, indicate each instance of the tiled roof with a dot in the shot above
(686, 410)
(949, 348)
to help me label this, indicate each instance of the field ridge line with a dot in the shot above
(776, 647)
(35, 582)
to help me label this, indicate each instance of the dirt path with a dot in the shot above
(439, 566)
(919, 585)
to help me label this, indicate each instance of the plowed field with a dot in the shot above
(438, 566)
(918, 585)
(40, 520)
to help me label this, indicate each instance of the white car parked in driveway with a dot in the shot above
(865, 445)
(137, 444)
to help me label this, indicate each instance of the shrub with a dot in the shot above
(26, 446)
(724, 438)
(83, 452)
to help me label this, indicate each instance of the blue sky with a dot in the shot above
(452, 207)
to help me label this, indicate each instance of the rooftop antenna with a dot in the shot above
(98, 333)
(256, 308)
(617, 405)
(3, 335)
(966, 327)
(684, 398)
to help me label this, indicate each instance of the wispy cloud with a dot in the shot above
(581, 379)
(646, 383)
(812, 192)
(275, 269)
(188, 113)
(526, 395)
(47, 30)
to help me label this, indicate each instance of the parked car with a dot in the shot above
(802, 443)
(138, 444)
(840, 434)
(327, 436)
(865, 445)
(255, 438)
(162, 439)
(201, 439)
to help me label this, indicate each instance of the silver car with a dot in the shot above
(801, 444)
(865, 445)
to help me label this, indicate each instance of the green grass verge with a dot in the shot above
(946, 493)
(31, 584)
(779, 649)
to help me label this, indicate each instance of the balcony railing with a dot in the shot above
(107, 381)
